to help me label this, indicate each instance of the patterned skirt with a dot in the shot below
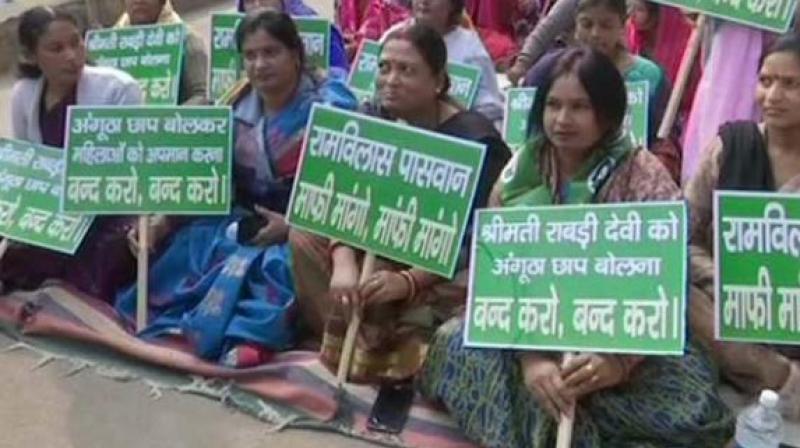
(668, 401)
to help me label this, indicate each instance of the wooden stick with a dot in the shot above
(567, 423)
(141, 279)
(352, 329)
(3, 247)
(682, 79)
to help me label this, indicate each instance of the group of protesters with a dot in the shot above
(736, 126)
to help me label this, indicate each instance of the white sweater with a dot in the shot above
(98, 86)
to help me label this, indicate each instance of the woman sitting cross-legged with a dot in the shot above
(502, 398)
(54, 76)
(230, 292)
(402, 305)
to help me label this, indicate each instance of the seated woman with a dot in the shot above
(503, 398)
(54, 76)
(402, 305)
(194, 73)
(297, 8)
(755, 157)
(464, 46)
(600, 25)
(227, 290)
(362, 19)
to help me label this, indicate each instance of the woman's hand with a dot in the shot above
(590, 372)
(276, 231)
(158, 229)
(344, 279)
(517, 72)
(384, 286)
(543, 378)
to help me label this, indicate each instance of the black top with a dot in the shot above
(745, 160)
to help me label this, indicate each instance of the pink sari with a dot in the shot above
(726, 91)
(350, 15)
(502, 25)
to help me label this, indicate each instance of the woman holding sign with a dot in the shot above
(54, 76)
(759, 157)
(505, 398)
(225, 282)
(194, 74)
(297, 8)
(402, 305)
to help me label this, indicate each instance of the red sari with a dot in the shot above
(502, 25)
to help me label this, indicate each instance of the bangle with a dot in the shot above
(412, 285)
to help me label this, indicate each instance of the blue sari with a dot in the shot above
(205, 285)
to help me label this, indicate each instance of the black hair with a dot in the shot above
(240, 5)
(616, 6)
(599, 77)
(429, 43)
(279, 25)
(789, 43)
(32, 26)
(456, 11)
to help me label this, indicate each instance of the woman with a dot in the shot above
(507, 399)
(756, 157)
(501, 23)
(194, 73)
(730, 67)
(361, 19)
(600, 25)
(464, 46)
(226, 289)
(661, 33)
(296, 8)
(54, 76)
(402, 305)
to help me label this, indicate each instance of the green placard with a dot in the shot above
(316, 35)
(399, 192)
(226, 64)
(364, 71)
(30, 191)
(519, 101)
(775, 15)
(152, 54)
(757, 237)
(139, 160)
(596, 278)
(636, 117)
(464, 83)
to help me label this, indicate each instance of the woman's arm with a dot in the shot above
(194, 78)
(559, 20)
(20, 97)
